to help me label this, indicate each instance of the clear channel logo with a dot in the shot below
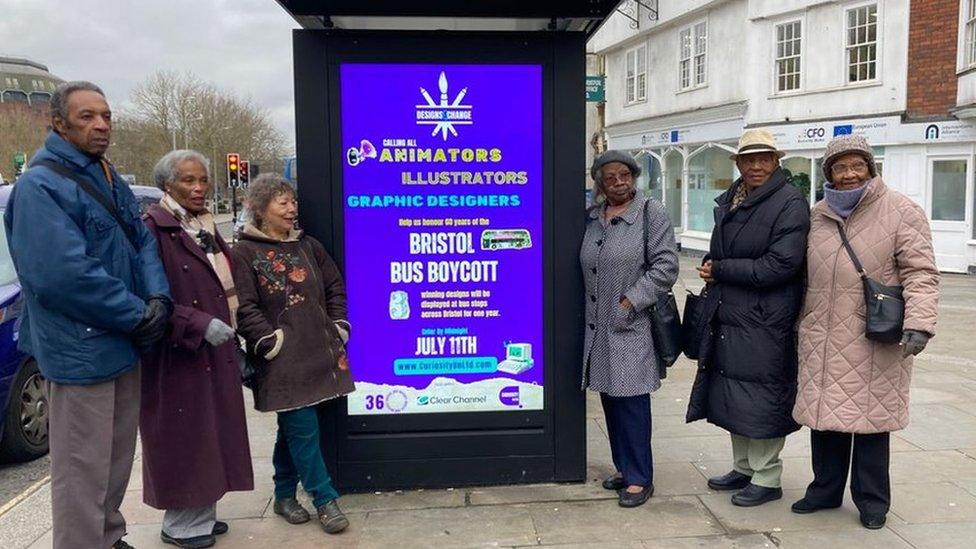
(445, 114)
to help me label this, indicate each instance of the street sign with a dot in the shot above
(595, 89)
(20, 160)
(233, 170)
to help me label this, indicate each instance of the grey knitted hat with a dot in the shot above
(614, 156)
(847, 144)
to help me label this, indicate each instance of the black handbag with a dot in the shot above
(665, 321)
(691, 324)
(884, 306)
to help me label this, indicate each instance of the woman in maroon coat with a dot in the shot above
(194, 435)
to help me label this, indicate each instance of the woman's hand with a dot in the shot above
(626, 305)
(705, 272)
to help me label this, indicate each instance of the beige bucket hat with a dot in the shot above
(757, 141)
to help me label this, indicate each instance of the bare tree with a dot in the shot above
(22, 129)
(178, 110)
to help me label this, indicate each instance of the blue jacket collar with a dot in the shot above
(58, 146)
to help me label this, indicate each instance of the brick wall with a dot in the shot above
(933, 30)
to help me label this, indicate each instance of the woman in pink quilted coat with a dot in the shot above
(853, 391)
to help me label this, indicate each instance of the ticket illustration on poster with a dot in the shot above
(442, 190)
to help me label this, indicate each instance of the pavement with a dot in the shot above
(933, 474)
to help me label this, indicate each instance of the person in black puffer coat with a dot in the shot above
(747, 373)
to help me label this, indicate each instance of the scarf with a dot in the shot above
(202, 228)
(740, 196)
(843, 202)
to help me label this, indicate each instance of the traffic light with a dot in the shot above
(245, 173)
(233, 169)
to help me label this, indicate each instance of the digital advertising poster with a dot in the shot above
(443, 189)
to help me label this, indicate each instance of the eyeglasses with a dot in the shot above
(613, 177)
(841, 169)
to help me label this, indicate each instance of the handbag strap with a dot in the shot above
(87, 186)
(850, 250)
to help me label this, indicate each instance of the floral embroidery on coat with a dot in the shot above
(276, 273)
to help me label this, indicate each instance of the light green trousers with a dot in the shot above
(758, 458)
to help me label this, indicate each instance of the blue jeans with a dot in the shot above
(298, 456)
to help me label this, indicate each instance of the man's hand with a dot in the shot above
(913, 342)
(152, 327)
(705, 272)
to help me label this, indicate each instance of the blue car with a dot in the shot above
(24, 412)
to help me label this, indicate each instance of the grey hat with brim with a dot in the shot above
(614, 156)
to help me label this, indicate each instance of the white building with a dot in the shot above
(681, 89)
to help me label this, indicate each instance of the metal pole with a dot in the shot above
(233, 201)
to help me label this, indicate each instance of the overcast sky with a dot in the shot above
(238, 45)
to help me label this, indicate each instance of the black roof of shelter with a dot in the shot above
(573, 15)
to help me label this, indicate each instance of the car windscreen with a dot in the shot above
(7, 273)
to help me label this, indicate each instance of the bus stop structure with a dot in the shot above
(441, 146)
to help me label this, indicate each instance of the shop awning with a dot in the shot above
(520, 15)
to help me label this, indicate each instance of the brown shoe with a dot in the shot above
(332, 519)
(293, 511)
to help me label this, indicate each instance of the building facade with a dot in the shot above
(681, 89)
(26, 82)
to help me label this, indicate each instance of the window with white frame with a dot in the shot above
(637, 74)
(862, 43)
(788, 45)
(692, 65)
(970, 33)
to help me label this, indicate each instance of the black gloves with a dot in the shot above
(913, 342)
(152, 327)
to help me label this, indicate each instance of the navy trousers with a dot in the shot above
(629, 429)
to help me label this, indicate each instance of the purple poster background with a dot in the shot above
(475, 184)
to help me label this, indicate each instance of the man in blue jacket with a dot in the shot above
(96, 295)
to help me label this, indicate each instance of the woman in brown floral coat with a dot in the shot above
(293, 317)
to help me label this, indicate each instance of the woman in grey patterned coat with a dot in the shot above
(619, 360)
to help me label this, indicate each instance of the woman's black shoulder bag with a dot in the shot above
(884, 306)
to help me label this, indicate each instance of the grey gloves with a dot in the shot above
(218, 332)
(152, 327)
(913, 342)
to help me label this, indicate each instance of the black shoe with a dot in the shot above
(614, 483)
(805, 506)
(733, 480)
(293, 511)
(122, 545)
(331, 518)
(753, 495)
(873, 522)
(220, 528)
(627, 499)
(196, 542)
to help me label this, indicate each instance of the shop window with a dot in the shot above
(672, 187)
(650, 177)
(15, 96)
(797, 171)
(637, 74)
(862, 43)
(709, 175)
(949, 190)
(788, 44)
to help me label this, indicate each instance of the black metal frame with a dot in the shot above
(453, 449)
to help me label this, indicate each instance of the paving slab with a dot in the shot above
(28, 521)
(934, 466)
(956, 535)
(934, 502)
(776, 516)
(250, 534)
(859, 537)
(940, 427)
(234, 505)
(608, 523)
(751, 541)
(402, 500)
(692, 449)
(490, 525)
